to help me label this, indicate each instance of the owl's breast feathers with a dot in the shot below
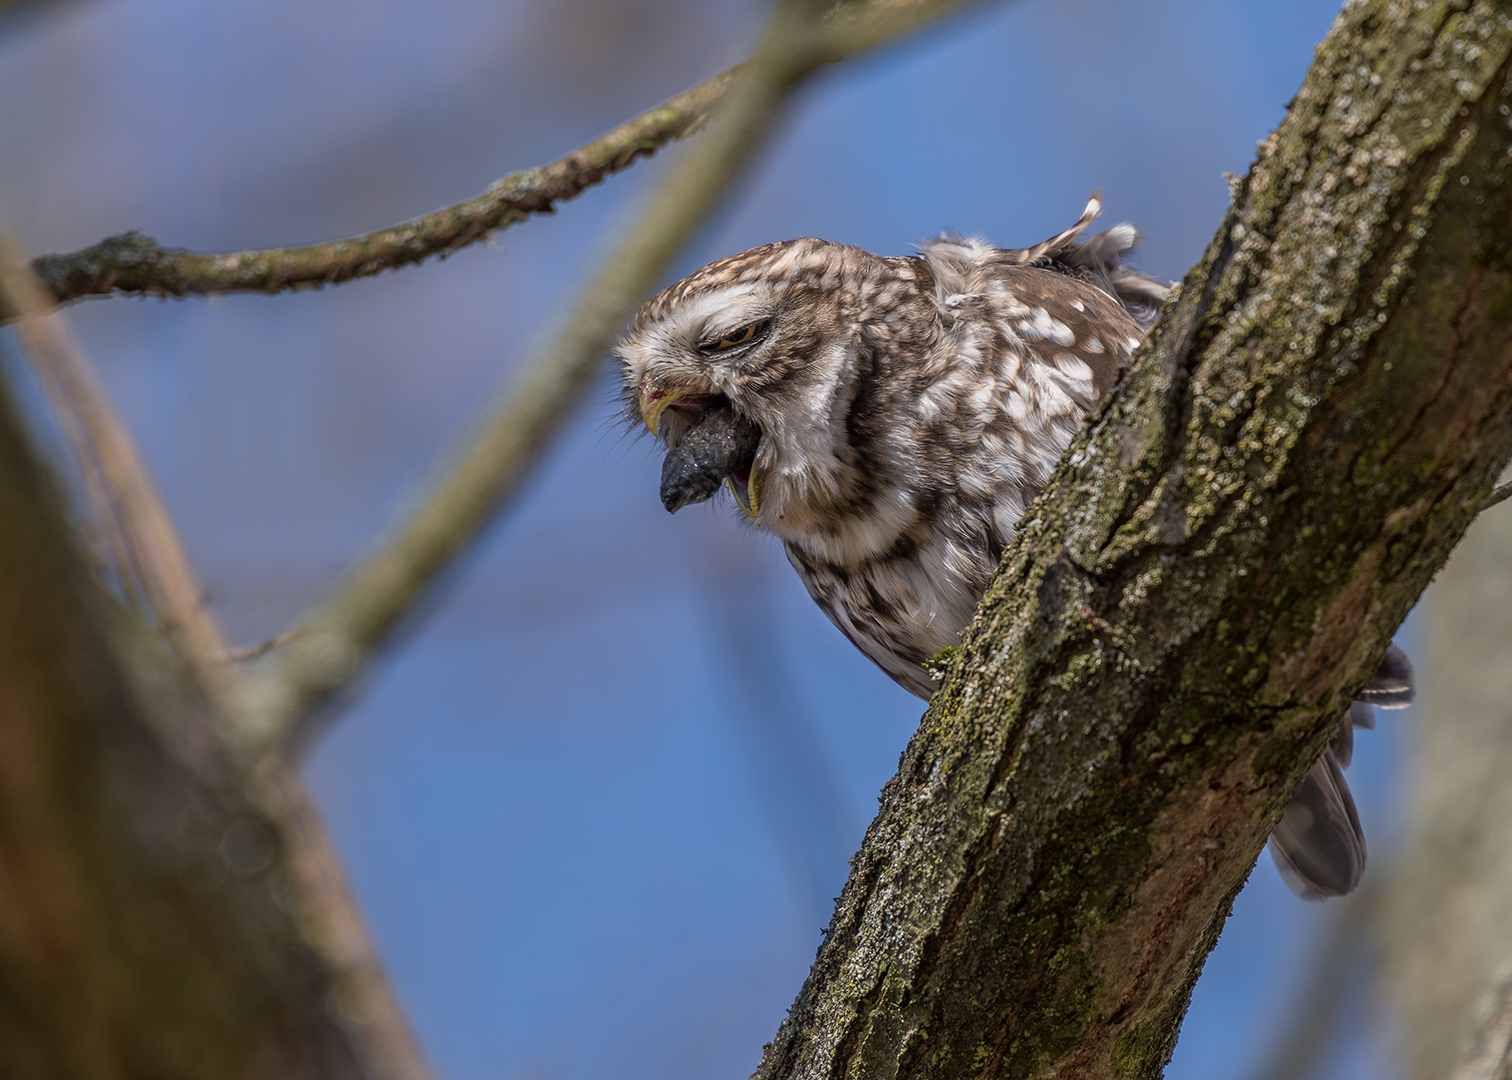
(910, 407)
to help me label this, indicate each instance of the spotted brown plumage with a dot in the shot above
(909, 408)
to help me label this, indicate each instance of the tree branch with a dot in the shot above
(1190, 606)
(132, 263)
(148, 557)
(164, 916)
(151, 562)
(336, 640)
(136, 264)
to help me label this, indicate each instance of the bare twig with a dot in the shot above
(136, 264)
(139, 534)
(133, 263)
(343, 630)
(1499, 494)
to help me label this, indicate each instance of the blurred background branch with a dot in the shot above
(277, 831)
(1488, 1054)
(162, 917)
(1447, 932)
(283, 694)
(141, 544)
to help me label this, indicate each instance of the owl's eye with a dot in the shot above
(741, 335)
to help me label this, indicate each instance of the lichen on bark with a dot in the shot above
(1218, 564)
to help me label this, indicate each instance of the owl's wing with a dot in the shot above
(1077, 334)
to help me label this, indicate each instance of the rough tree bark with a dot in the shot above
(1217, 566)
(150, 924)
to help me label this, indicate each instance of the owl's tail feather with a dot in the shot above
(1098, 259)
(1061, 242)
(1319, 847)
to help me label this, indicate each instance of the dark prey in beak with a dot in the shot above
(718, 444)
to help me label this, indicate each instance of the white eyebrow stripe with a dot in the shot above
(712, 312)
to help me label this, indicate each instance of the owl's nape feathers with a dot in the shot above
(889, 419)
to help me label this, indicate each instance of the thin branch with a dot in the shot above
(145, 548)
(133, 263)
(136, 264)
(1497, 495)
(343, 631)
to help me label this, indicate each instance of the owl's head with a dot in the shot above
(774, 333)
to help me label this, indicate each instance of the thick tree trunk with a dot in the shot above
(159, 914)
(1211, 576)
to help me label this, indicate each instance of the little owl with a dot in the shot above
(890, 419)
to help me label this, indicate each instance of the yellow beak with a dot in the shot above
(748, 498)
(654, 402)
